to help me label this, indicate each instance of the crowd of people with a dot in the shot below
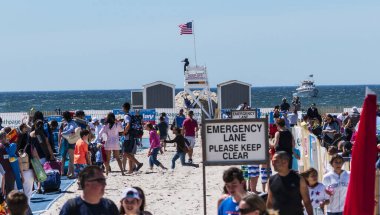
(290, 191)
(88, 146)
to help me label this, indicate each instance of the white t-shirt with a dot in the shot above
(318, 195)
(338, 184)
(127, 119)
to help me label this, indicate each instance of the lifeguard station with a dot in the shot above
(196, 79)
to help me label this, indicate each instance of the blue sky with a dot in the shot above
(121, 44)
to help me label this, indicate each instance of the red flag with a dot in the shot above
(360, 197)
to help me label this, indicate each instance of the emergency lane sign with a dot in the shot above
(235, 141)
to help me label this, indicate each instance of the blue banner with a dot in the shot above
(56, 118)
(149, 115)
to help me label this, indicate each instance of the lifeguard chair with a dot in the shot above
(196, 79)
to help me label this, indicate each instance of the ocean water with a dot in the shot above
(329, 96)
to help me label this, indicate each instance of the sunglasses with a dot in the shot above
(245, 210)
(99, 180)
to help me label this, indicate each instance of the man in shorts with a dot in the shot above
(190, 128)
(129, 147)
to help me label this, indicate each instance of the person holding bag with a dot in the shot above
(25, 156)
(68, 133)
(41, 152)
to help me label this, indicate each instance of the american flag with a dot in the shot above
(186, 28)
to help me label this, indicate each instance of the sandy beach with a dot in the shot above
(168, 193)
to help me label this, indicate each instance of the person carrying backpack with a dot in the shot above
(131, 133)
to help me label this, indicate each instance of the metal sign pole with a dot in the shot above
(267, 152)
(204, 190)
(203, 135)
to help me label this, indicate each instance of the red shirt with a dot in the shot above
(189, 125)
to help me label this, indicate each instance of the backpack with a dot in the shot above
(135, 128)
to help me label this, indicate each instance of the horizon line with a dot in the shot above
(73, 90)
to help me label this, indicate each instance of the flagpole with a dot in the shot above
(195, 48)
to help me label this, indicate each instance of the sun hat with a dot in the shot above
(130, 192)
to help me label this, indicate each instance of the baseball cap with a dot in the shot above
(130, 192)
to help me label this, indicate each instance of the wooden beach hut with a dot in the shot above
(137, 99)
(159, 94)
(233, 93)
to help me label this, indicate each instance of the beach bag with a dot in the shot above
(52, 182)
(24, 157)
(38, 170)
(74, 137)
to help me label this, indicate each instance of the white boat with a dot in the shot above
(307, 89)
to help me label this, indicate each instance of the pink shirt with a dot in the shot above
(154, 139)
(189, 125)
(112, 142)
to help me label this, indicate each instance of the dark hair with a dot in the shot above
(17, 202)
(331, 117)
(332, 150)
(233, 173)
(54, 123)
(79, 113)
(162, 118)
(307, 173)
(191, 113)
(39, 124)
(335, 157)
(67, 116)
(88, 172)
(142, 197)
(22, 126)
(7, 129)
(84, 133)
(127, 106)
(149, 125)
(283, 155)
(38, 116)
(255, 202)
(280, 122)
(110, 119)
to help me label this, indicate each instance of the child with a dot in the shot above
(81, 155)
(17, 203)
(154, 148)
(317, 191)
(163, 129)
(98, 156)
(182, 148)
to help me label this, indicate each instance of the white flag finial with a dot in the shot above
(369, 91)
